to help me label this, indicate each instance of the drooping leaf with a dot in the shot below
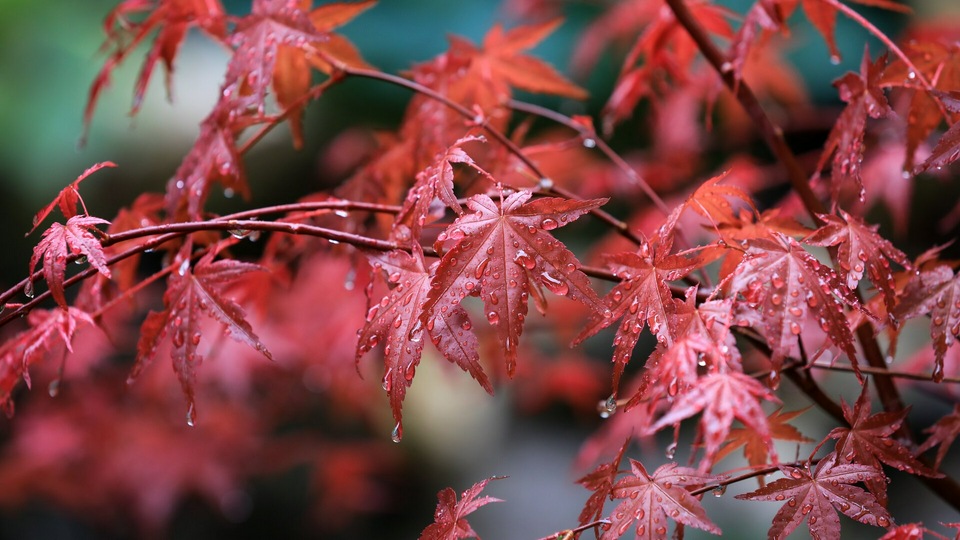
(721, 397)
(947, 149)
(868, 441)
(651, 499)
(502, 251)
(937, 292)
(68, 198)
(861, 250)
(191, 295)
(755, 449)
(48, 329)
(823, 16)
(450, 518)
(642, 298)
(786, 285)
(173, 18)
(943, 433)
(395, 322)
(816, 496)
(61, 241)
(600, 482)
(864, 98)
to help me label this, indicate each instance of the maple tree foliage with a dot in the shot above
(706, 272)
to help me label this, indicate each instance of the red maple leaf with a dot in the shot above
(291, 73)
(450, 518)
(500, 65)
(395, 322)
(173, 18)
(600, 482)
(816, 496)
(947, 149)
(68, 198)
(867, 442)
(936, 292)
(650, 499)
(943, 433)
(861, 250)
(48, 329)
(436, 182)
(61, 241)
(785, 284)
(755, 449)
(258, 37)
(502, 252)
(721, 397)
(191, 294)
(642, 298)
(823, 15)
(864, 98)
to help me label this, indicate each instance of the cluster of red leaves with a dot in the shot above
(464, 233)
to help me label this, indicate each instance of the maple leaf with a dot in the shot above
(712, 201)
(943, 433)
(755, 449)
(649, 499)
(823, 15)
(864, 98)
(947, 149)
(68, 198)
(291, 73)
(191, 293)
(270, 25)
(867, 442)
(937, 292)
(395, 322)
(61, 241)
(600, 482)
(450, 518)
(173, 18)
(503, 251)
(721, 397)
(499, 63)
(48, 328)
(642, 298)
(909, 531)
(861, 250)
(784, 283)
(436, 182)
(817, 496)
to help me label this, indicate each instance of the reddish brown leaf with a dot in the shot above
(868, 441)
(943, 433)
(395, 321)
(450, 518)
(173, 18)
(721, 397)
(755, 449)
(816, 496)
(786, 285)
(650, 499)
(48, 329)
(937, 292)
(62, 241)
(823, 16)
(948, 146)
(191, 294)
(503, 251)
(600, 482)
(68, 197)
(642, 298)
(864, 98)
(861, 250)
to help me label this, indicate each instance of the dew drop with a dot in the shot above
(671, 450)
(28, 290)
(397, 433)
(191, 415)
(589, 143)
(481, 267)
(834, 59)
(54, 387)
(719, 490)
(607, 407)
(883, 521)
(555, 285)
(549, 224)
(493, 318)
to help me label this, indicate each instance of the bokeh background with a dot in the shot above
(456, 435)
